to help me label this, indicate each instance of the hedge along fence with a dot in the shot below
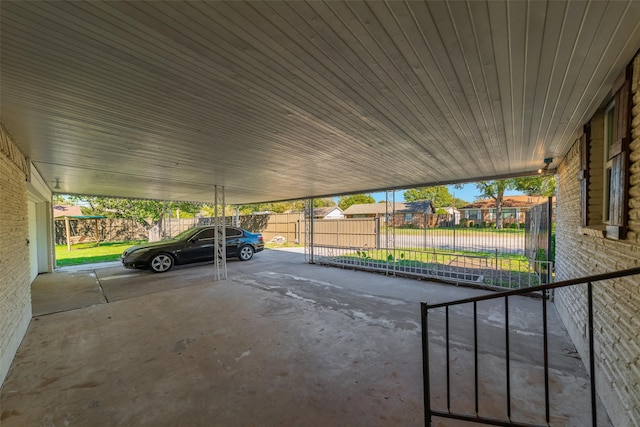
(289, 226)
(109, 230)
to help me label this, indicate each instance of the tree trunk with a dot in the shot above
(499, 201)
(499, 214)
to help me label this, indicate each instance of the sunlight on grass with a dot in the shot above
(422, 258)
(85, 253)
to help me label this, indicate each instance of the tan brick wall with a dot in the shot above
(15, 294)
(617, 302)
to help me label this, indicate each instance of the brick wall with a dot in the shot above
(15, 294)
(617, 302)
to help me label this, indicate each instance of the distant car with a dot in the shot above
(193, 245)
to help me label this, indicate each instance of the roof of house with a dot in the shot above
(381, 208)
(507, 202)
(66, 210)
(324, 211)
(74, 212)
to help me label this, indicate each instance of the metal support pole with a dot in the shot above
(507, 355)
(592, 355)
(67, 230)
(219, 237)
(393, 215)
(549, 235)
(309, 234)
(475, 356)
(545, 349)
(425, 365)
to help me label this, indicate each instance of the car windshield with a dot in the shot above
(185, 234)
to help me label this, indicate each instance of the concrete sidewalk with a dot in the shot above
(281, 343)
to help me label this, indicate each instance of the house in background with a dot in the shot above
(450, 218)
(514, 210)
(330, 212)
(415, 214)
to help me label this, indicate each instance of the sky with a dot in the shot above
(468, 193)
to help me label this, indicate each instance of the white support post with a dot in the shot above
(219, 237)
(390, 218)
(308, 231)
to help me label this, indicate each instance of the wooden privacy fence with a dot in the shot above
(351, 233)
(287, 225)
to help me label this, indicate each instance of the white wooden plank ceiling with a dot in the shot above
(283, 100)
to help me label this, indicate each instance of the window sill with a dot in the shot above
(602, 231)
(593, 231)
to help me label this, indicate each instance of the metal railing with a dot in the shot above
(476, 417)
(486, 271)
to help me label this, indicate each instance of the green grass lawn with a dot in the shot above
(445, 231)
(422, 258)
(85, 253)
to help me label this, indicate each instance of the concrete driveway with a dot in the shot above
(281, 343)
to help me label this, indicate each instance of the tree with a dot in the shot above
(354, 199)
(458, 203)
(277, 207)
(298, 205)
(285, 206)
(58, 199)
(439, 195)
(495, 190)
(530, 185)
(210, 211)
(149, 213)
(539, 185)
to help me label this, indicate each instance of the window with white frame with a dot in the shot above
(473, 214)
(609, 122)
(613, 194)
(509, 213)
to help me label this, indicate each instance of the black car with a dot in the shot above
(193, 245)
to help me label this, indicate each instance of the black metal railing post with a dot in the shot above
(448, 359)
(475, 353)
(425, 364)
(476, 418)
(592, 363)
(507, 356)
(545, 339)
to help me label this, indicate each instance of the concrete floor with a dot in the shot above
(281, 343)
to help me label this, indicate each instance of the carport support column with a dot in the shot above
(67, 231)
(309, 231)
(219, 237)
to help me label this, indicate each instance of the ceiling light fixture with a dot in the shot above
(547, 162)
(57, 186)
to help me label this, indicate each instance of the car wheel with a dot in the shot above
(245, 253)
(161, 263)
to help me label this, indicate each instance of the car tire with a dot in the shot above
(161, 263)
(245, 253)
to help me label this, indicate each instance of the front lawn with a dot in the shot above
(85, 253)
